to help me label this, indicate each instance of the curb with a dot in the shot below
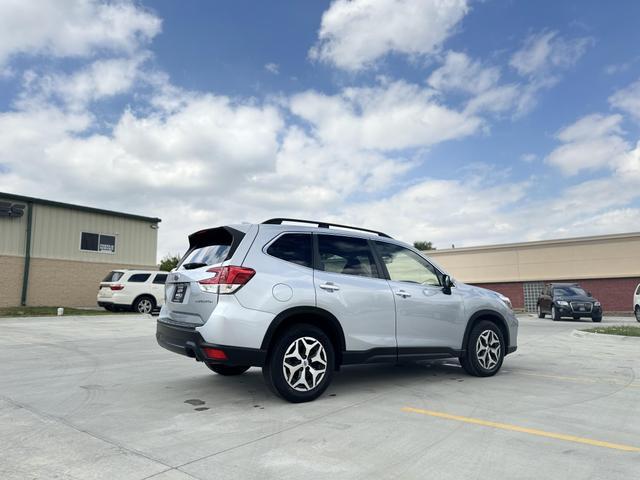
(618, 338)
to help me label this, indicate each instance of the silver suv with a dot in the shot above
(302, 301)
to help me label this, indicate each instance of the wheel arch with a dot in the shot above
(489, 315)
(318, 317)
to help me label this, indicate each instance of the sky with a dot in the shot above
(459, 122)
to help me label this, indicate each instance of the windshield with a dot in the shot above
(202, 257)
(113, 276)
(568, 292)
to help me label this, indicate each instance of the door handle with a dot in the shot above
(403, 293)
(329, 287)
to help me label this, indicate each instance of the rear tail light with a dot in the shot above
(214, 353)
(116, 287)
(226, 279)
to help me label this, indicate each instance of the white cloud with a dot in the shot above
(628, 99)
(73, 28)
(528, 157)
(100, 79)
(390, 116)
(354, 34)
(273, 68)
(461, 73)
(590, 143)
(544, 52)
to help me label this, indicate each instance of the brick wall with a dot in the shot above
(615, 294)
(11, 269)
(68, 283)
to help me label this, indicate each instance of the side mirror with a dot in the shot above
(447, 283)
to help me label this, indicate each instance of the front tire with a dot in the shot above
(144, 304)
(485, 350)
(555, 315)
(638, 313)
(300, 364)
(540, 313)
(227, 370)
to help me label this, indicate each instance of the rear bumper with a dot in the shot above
(187, 341)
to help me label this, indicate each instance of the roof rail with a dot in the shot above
(279, 221)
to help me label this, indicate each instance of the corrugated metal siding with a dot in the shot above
(56, 234)
(13, 233)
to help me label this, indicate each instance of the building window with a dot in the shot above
(531, 292)
(97, 242)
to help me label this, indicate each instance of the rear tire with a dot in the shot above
(227, 370)
(300, 364)
(540, 313)
(637, 313)
(109, 308)
(555, 315)
(597, 319)
(144, 304)
(485, 350)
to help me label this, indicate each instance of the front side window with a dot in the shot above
(404, 265)
(139, 277)
(294, 248)
(346, 255)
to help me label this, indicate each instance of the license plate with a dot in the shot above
(582, 309)
(179, 293)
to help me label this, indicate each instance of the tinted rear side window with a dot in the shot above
(294, 248)
(139, 277)
(113, 276)
(346, 255)
(160, 279)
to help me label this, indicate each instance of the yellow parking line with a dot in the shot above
(530, 431)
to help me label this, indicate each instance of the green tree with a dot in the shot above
(169, 262)
(424, 245)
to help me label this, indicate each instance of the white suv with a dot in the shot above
(138, 290)
(302, 301)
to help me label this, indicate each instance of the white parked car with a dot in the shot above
(636, 303)
(138, 290)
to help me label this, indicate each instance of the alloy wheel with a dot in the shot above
(304, 364)
(488, 349)
(145, 306)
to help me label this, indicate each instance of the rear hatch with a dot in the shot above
(187, 301)
(110, 284)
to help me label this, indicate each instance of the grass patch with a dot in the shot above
(627, 331)
(47, 311)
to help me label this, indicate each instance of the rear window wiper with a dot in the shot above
(192, 265)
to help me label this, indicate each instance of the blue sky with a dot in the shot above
(461, 122)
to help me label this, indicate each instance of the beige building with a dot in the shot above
(606, 265)
(56, 254)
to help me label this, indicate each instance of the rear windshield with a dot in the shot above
(209, 247)
(113, 277)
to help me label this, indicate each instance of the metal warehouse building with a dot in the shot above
(608, 266)
(55, 254)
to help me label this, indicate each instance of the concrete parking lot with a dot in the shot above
(95, 397)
